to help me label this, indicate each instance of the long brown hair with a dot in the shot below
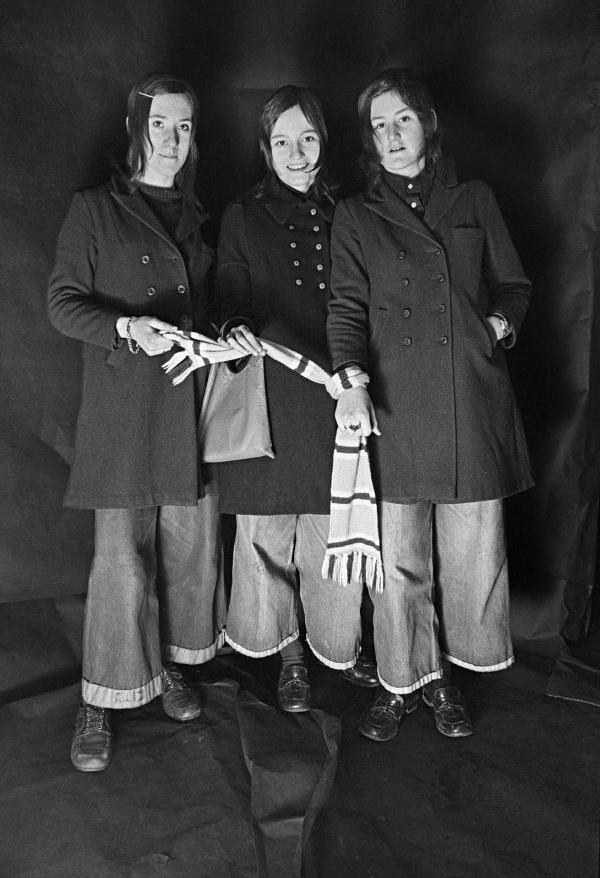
(413, 90)
(138, 111)
(283, 99)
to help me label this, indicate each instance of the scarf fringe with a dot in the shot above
(356, 566)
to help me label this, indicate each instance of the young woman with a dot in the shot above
(428, 291)
(131, 263)
(273, 281)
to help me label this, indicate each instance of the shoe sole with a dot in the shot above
(453, 734)
(183, 719)
(90, 766)
(295, 709)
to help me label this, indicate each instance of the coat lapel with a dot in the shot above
(281, 204)
(445, 190)
(192, 218)
(392, 208)
(441, 200)
(136, 205)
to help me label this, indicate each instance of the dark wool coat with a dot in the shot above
(136, 434)
(410, 300)
(273, 270)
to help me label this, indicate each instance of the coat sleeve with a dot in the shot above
(73, 308)
(348, 320)
(233, 279)
(510, 289)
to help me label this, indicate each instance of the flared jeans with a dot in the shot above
(155, 593)
(277, 579)
(445, 594)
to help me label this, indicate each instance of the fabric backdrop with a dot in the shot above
(518, 91)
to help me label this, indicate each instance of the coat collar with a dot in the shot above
(192, 216)
(444, 192)
(281, 204)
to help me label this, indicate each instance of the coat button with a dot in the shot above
(441, 278)
(298, 282)
(316, 228)
(151, 291)
(441, 308)
(296, 263)
(444, 339)
(406, 341)
(406, 312)
(293, 245)
(437, 252)
(313, 212)
(291, 227)
(321, 286)
(318, 246)
(319, 267)
(413, 204)
(145, 259)
(181, 288)
(401, 254)
(405, 281)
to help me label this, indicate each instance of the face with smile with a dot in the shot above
(169, 133)
(398, 134)
(295, 149)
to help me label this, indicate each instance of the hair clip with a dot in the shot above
(145, 95)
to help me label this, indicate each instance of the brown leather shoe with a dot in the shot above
(381, 721)
(179, 700)
(364, 673)
(293, 689)
(449, 711)
(91, 748)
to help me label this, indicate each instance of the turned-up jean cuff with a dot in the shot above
(445, 593)
(277, 581)
(155, 593)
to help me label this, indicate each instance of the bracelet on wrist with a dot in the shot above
(131, 342)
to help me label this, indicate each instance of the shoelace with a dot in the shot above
(296, 683)
(94, 718)
(173, 679)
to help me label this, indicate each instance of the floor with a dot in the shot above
(249, 792)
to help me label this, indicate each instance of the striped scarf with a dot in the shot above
(353, 550)
(199, 351)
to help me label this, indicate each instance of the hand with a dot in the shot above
(195, 344)
(242, 339)
(496, 325)
(355, 409)
(146, 331)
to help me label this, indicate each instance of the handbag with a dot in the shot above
(234, 420)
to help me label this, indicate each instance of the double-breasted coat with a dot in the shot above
(410, 301)
(273, 271)
(135, 441)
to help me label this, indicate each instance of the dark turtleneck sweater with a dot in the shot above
(166, 204)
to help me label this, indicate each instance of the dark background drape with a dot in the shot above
(518, 91)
